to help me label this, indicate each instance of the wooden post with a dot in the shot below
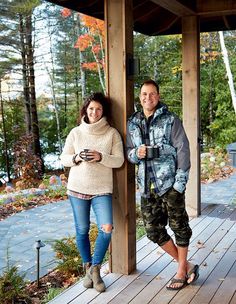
(119, 48)
(191, 113)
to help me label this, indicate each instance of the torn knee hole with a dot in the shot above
(107, 228)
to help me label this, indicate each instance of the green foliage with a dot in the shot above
(67, 256)
(223, 131)
(24, 6)
(58, 192)
(12, 286)
(52, 293)
(55, 186)
(140, 230)
(160, 59)
(14, 125)
(218, 119)
(233, 201)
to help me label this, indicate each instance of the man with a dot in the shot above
(162, 178)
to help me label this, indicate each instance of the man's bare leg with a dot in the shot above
(180, 255)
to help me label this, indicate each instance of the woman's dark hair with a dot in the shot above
(100, 98)
(150, 81)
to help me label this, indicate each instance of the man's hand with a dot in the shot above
(141, 152)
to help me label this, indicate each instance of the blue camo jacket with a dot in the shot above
(166, 131)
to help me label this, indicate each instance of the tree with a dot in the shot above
(228, 70)
(91, 42)
(218, 121)
(18, 15)
(160, 59)
(5, 149)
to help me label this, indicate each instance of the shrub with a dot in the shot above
(67, 255)
(140, 230)
(52, 293)
(214, 165)
(27, 165)
(12, 286)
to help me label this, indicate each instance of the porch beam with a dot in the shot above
(216, 8)
(175, 7)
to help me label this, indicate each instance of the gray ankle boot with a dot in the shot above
(88, 282)
(98, 283)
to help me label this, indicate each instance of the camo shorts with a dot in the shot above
(158, 212)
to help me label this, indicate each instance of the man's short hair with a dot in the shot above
(150, 81)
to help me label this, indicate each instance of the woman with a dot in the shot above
(91, 150)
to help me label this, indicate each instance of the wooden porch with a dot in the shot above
(213, 247)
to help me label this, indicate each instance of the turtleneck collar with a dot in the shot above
(97, 128)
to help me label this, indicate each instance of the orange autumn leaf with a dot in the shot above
(66, 12)
(92, 66)
(95, 26)
(69, 281)
(83, 42)
(96, 48)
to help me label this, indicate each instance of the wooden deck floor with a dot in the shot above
(213, 247)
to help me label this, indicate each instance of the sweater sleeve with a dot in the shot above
(180, 142)
(116, 158)
(69, 151)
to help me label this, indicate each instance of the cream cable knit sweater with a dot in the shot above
(93, 178)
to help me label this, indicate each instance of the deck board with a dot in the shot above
(213, 247)
(233, 300)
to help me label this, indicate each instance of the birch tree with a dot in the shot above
(228, 70)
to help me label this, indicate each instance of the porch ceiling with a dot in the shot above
(162, 17)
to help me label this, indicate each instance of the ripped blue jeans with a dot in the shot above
(102, 208)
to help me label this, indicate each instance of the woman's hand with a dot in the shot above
(91, 156)
(95, 155)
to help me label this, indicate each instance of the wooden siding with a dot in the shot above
(213, 247)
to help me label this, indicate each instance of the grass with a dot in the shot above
(233, 201)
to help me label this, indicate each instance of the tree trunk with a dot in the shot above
(81, 59)
(228, 70)
(65, 93)
(25, 76)
(5, 137)
(52, 77)
(27, 54)
(30, 64)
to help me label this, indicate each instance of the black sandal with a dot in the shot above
(179, 281)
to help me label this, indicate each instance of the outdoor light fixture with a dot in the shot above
(132, 66)
(38, 245)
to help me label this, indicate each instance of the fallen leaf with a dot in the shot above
(200, 244)
(106, 271)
